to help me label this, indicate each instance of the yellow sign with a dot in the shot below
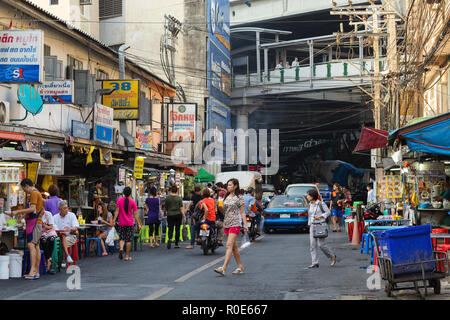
(138, 167)
(32, 171)
(125, 96)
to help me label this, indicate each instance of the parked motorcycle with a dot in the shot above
(208, 238)
(372, 212)
(252, 228)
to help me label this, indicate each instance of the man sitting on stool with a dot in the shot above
(68, 222)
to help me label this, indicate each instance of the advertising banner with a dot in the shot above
(182, 118)
(56, 91)
(144, 138)
(138, 167)
(124, 100)
(103, 124)
(21, 55)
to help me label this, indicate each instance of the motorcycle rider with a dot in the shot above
(208, 206)
(249, 200)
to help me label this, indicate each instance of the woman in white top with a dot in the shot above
(48, 239)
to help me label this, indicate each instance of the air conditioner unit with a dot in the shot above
(116, 136)
(85, 2)
(4, 112)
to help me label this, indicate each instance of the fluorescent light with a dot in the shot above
(10, 164)
(395, 169)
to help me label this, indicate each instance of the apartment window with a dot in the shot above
(47, 51)
(54, 2)
(102, 75)
(74, 63)
(110, 8)
(82, 9)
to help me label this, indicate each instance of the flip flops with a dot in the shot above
(238, 271)
(220, 271)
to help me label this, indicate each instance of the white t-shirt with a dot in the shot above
(48, 219)
(370, 196)
(295, 63)
(69, 220)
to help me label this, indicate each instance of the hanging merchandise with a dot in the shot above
(46, 182)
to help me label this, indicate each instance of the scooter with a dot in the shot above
(208, 238)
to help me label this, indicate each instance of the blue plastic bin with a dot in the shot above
(407, 245)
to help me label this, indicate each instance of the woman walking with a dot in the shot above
(126, 209)
(317, 214)
(234, 216)
(152, 207)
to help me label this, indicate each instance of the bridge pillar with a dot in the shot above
(242, 123)
(258, 57)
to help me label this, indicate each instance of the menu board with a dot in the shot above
(390, 187)
(9, 175)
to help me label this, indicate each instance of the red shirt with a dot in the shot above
(211, 205)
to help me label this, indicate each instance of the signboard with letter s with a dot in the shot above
(21, 56)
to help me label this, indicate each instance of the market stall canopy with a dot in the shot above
(15, 155)
(203, 176)
(190, 171)
(429, 136)
(371, 138)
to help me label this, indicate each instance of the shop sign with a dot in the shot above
(9, 175)
(81, 130)
(21, 56)
(124, 100)
(138, 167)
(12, 136)
(144, 138)
(33, 168)
(182, 118)
(55, 167)
(106, 157)
(56, 91)
(122, 174)
(103, 124)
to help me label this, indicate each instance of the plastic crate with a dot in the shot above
(407, 245)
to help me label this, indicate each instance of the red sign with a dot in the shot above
(12, 136)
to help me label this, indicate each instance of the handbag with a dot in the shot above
(320, 230)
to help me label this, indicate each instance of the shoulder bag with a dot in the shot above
(320, 229)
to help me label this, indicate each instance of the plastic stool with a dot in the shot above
(365, 243)
(99, 246)
(434, 240)
(73, 251)
(26, 263)
(442, 248)
(57, 255)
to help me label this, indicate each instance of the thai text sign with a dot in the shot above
(57, 91)
(55, 167)
(124, 100)
(138, 167)
(21, 58)
(144, 138)
(182, 118)
(103, 124)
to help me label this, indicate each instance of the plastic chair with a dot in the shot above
(73, 251)
(442, 248)
(366, 244)
(26, 263)
(435, 241)
(99, 246)
(57, 255)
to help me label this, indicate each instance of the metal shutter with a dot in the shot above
(110, 8)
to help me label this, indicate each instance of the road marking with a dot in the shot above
(159, 294)
(206, 266)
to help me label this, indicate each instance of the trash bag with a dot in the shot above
(245, 242)
(110, 237)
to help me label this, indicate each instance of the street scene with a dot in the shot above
(224, 151)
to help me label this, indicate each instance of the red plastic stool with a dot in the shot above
(73, 251)
(442, 248)
(439, 230)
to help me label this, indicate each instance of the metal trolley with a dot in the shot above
(430, 279)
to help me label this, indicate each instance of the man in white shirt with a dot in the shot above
(279, 66)
(295, 63)
(68, 222)
(370, 194)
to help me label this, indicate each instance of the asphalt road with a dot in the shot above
(274, 271)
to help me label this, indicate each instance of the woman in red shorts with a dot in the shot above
(233, 206)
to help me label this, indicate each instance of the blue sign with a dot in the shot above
(81, 130)
(219, 64)
(19, 73)
(103, 134)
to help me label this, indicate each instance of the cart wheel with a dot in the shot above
(388, 289)
(436, 284)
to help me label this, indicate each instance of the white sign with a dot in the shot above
(55, 167)
(182, 118)
(56, 91)
(103, 115)
(21, 56)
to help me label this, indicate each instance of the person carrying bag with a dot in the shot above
(317, 215)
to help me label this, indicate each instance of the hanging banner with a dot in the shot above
(138, 167)
(124, 100)
(21, 56)
(144, 138)
(33, 168)
(106, 157)
(182, 118)
(56, 91)
(103, 124)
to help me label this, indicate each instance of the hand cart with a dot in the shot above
(430, 278)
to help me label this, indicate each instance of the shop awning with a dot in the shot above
(203, 176)
(371, 138)
(190, 171)
(429, 136)
(15, 155)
